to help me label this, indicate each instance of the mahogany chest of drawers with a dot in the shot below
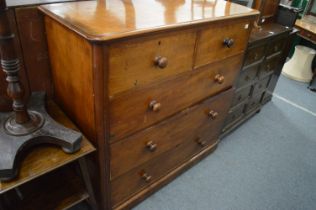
(150, 82)
(265, 55)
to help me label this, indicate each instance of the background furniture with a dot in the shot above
(267, 51)
(155, 85)
(46, 180)
(30, 44)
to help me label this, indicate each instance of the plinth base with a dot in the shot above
(12, 146)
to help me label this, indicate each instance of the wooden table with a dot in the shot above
(307, 26)
(58, 189)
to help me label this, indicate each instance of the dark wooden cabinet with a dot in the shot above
(266, 53)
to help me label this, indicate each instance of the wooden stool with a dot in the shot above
(40, 185)
(299, 67)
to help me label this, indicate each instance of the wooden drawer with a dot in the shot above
(143, 176)
(261, 86)
(254, 54)
(254, 102)
(247, 75)
(241, 95)
(269, 65)
(211, 43)
(201, 121)
(138, 109)
(276, 46)
(137, 62)
(308, 35)
(234, 115)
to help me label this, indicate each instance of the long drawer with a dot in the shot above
(200, 122)
(222, 40)
(140, 61)
(138, 109)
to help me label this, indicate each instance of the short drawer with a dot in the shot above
(234, 115)
(254, 102)
(221, 40)
(241, 95)
(198, 122)
(254, 54)
(247, 75)
(276, 46)
(269, 65)
(261, 85)
(138, 109)
(137, 62)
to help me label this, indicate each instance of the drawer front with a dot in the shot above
(261, 86)
(137, 62)
(146, 174)
(234, 114)
(276, 46)
(247, 75)
(254, 54)
(269, 65)
(135, 110)
(241, 95)
(201, 121)
(254, 102)
(308, 35)
(222, 40)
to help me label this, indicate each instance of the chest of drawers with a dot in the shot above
(152, 89)
(265, 56)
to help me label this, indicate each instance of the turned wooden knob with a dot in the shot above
(161, 62)
(200, 142)
(154, 106)
(213, 115)
(219, 78)
(146, 177)
(228, 42)
(151, 146)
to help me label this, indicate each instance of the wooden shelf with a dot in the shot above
(59, 190)
(43, 159)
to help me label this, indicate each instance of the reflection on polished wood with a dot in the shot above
(111, 19)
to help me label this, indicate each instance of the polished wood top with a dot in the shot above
(111, 19)
(266, 31)
(307, 23)
(19, 3)
(45, 158)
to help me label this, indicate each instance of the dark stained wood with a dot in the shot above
(254, 54)
(191, 124)
(241, 95)
(130, 111)
(10, 64)
(260, 75)
(58, 194)
(34, 165)
(5, 101)
(33, 43)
